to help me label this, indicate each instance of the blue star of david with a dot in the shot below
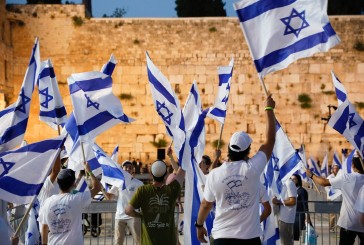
(99, 154)
(7, 166)
(24, 101)
(290, 27)
(352, 123)
(91, 103)
(225, 99)
(48, 97)
(275, 160)
(165, 114)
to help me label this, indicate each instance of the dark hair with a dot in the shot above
(357, 164)
(237, 156)
(299, 179)
(159, 179)
(65, 179)
(207, 159)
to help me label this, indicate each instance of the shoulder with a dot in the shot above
(259, 157)
(138, 182)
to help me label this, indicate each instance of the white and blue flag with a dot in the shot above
(115, 154)
(348, 162)
(32, 235)
(314, 166)
(112, 173)
(346, 120)
(304, 165)
(279, 32)
(82, 185)
(109, 67)
(95, 107)
(324, 171)
(336, 160)
(14, 118)
(52, 110)
(218, 110)
(167, 106)
(23, 171)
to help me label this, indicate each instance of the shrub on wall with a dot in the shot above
(305, 101)
(77, 20)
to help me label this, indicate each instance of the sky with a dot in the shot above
(138, 8)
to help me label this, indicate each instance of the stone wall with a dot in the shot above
(185, 50)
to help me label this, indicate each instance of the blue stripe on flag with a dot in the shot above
(279, 55)
(56, 113)
(218, 113)
(289, 165)
(18, 187)
(83, 186)
(109, 68)
(14, 131)
(47, 72)
(161, 89)
(260, 7)
(340, 94)
(194, 93)
(340, 124)
(95, 122)
(6, 111)
(94, 163)
(91, 85)
(39, 147)
(71, 127)
(224, 78)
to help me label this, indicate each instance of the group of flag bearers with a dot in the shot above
(275, 40)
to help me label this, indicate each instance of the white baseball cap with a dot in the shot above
(159, 168)
(240, 141)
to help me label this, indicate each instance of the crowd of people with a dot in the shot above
(233, 192)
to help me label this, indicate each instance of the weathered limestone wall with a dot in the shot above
(185, 50)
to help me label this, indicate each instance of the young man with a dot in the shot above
(157, 202)
(234, 186)
(122, 220)
(349, 184)
(61, 214)
(332, 217)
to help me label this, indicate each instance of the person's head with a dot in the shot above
(296, 178)
(239, 146)
(335, 169)
(205, 164)
(158, 171)
(357, 165)
(128, 166)
(66, 180)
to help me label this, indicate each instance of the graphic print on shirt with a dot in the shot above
(236, 195)
(60, 222)
(158, 205)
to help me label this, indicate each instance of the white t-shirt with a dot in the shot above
(124, 197)
(263, 194)
(4, 232)
(63, 215)
(359, 204)
(287, 214)
(331, 191)
(48, 189)
(235, 187)
(349, 184)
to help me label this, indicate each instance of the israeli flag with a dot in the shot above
(14, 118)
(23, 171)
(284, 161)
(52, 110)
(348, 162)
(73, 145)
(270, 226)
(167, 106)
(82, 185)
(115, 154)
(324, 172)
(336, 160)
(346, 120)
(109, 67)
(96, 108)
(314, 166)
(112, 173)
(192, 156)
(218, 110)
(32, 235)
(304, 165)
(279, 32)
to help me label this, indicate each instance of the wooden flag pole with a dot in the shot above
(263, 85)
(24, 217)
(59, 130)
(218, 142)
(313, 182)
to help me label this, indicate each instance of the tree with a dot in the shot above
(200, 8)
(343, 7)
(118, 13)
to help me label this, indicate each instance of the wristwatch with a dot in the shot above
(197, 225)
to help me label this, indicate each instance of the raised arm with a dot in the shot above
(318, 179)
(95, 183)
(55, 169)
(216, 160)
(267, 147)
(171, 158)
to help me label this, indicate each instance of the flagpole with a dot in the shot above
(221, 129)
(24, 217)
(59, 130)
(263, 85)
(304, 165)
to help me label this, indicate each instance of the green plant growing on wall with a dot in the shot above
(213, 29)
(305, 101)
(215, 143)
(77, 20)
(136, 42)
(359, 46)
(161, 143)
(359, 105)
(126, 96)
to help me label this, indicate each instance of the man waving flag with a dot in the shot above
(14, 118)
(279, 32)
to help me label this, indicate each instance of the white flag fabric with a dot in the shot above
(304, 165)
(346, 120)
(82, 185)
(325, 167)
(14, 118)
(348, 162)
(23, 171)
(112, 173)
(167, 105)
(95, 107)
(336, 160)
(109, 67)
(314, 166)
(279, 32)
(115, 154)
(218, 110)
(52, 110)
(32, 235)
